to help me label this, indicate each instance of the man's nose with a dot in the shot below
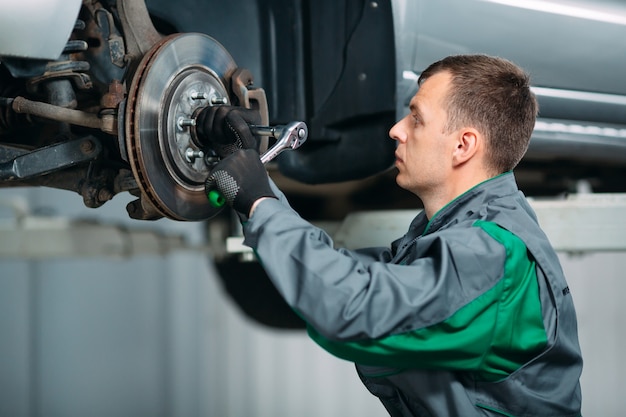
(395, 132)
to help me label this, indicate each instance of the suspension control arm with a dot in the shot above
(49, 159)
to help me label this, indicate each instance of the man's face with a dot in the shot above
(424, 150)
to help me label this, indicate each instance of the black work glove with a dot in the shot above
(241, 178)
(227, 128)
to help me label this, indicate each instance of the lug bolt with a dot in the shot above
(182, 122)
(198, 95)
(219, 100)
(191, 155)
(211, 160)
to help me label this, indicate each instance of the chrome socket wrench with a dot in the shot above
(290, 136)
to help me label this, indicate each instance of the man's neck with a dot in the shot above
(435, 199)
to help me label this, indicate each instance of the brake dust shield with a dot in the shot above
(180, 74)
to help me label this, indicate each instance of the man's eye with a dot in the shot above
(415, 120)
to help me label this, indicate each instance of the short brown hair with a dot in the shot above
(492, 95)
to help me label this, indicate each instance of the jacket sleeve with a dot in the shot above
(348, 295)
(365, 255)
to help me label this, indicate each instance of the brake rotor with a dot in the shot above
(180, 74)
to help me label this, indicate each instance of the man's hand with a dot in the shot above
(242, 180)
(226, 129)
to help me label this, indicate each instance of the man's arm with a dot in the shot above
(451, 308)
(346, 295)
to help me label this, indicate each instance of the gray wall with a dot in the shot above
(101, 337)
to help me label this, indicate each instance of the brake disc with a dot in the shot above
(180, 74)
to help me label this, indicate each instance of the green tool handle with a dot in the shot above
(216, 199)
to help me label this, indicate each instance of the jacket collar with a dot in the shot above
(466, 203)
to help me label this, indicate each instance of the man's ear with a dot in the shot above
(469, 142)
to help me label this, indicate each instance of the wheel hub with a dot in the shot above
(182, 73)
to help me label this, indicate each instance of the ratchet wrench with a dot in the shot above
(289, 136)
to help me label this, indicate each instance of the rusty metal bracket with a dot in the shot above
(139, 32)
(50, 159)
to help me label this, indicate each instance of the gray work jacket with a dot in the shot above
(467, 314)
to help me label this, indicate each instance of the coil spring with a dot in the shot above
(56, 79)
(66, 68)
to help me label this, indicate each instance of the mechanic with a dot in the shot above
(467, 314)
